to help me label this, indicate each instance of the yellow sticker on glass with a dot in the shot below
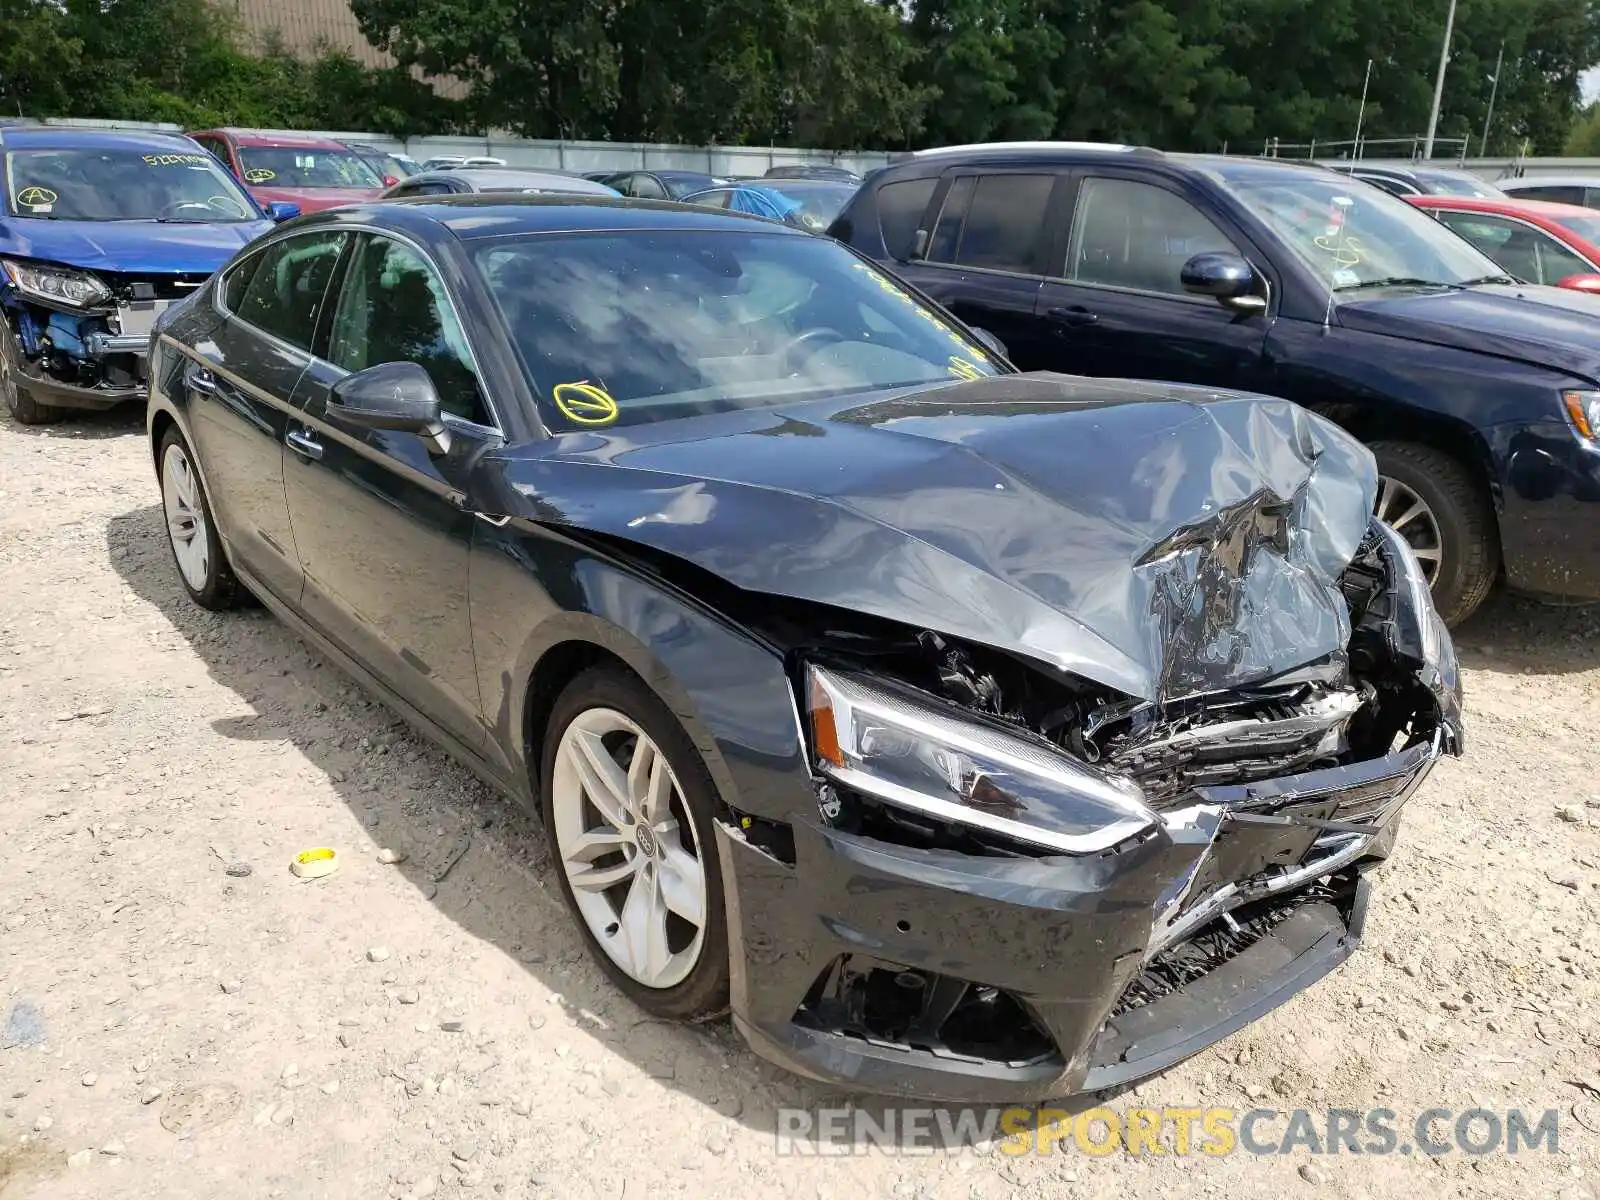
(259, 175)
(585, 403)
(36, 197)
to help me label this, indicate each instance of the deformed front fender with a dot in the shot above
(535, 592)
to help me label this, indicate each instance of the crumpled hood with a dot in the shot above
(1159, 539)
(136, 247)
(1545, 326)
(316, 199)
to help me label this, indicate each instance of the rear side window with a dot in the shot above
(286, 292)
(1003, 216)
(900, 209)
(1552, 192)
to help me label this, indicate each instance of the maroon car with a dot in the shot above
(312, 172)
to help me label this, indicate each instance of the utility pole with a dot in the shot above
(1362, 111)
(1483, 147)
(1438, 83)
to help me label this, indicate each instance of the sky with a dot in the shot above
(1589, 81)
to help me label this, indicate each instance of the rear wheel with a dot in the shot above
(1437, 505)
(24, 409)
(628, 809)
(191, 531)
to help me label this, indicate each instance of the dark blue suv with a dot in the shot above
(1479, 396)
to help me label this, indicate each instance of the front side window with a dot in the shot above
(1356, 238)
(287, 287)
(394, 308)
(1528, 253)
(624, 328)
(646, 188)
(117, 184)
(1134, 235)
(992, 221)
(303, 167)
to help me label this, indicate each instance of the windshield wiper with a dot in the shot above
(1394, 281)
(1487, 279)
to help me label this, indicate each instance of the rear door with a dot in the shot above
(985, 244)
(1114, 302)
(240, 383)
(382, 524)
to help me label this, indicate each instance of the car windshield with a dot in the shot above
(115, 184)
(625, 328)
(306, 167)
(1359, 237)
(1458, 185)
(1588, 228)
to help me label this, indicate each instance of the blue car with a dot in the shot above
(809, 204)
(100, 232)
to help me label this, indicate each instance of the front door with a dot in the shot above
(381, 522)
(1115, 304)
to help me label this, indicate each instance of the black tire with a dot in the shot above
(219, 589)
(703, 994)
(24, 409)
(1469, 536)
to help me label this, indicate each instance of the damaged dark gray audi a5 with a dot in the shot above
(971, 735)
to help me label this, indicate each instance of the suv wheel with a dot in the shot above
(1435, 503)
(24, 409)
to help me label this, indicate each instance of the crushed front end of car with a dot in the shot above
(81, 337)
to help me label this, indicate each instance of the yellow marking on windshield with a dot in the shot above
(259, 175)
(36, 197)
(585, 403)
(962, 368)
(177, 160)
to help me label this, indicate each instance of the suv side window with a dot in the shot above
(1552, 192)
(1135, 235)
(646, 187)
(394, 308)
(285, 292)
(992, 221)
(900, 209)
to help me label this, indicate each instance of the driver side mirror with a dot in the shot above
(1227, 278)
(397, 395)
(282, 210)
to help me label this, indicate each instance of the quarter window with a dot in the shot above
(394, 309)
(1138, 236)
(286, 287)
(900, 209)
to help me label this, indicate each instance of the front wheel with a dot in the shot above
(1436, 504)
(629, 811)
(24, 409)
(191, 530)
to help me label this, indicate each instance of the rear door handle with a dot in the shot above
(1076, 315)
(303, 444)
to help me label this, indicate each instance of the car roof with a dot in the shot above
(60, 137)
(270, 137)
(497, 214)
(1547, 209)
(488, 177)
(1541, 180)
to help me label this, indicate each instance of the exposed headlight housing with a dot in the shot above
(1420, 630)
(61, 286)
(888, 744)
(1583, 410)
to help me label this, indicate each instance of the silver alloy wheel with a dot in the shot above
(629, 848)
(1409, 515)
(186, 518)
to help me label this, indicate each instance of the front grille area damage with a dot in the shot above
(891, 1005)
(100, 347)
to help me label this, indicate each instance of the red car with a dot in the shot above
(312, 172)
(1534, 240)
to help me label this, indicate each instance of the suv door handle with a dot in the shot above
(1076, 315)
(303, 444)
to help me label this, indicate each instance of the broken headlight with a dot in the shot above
(888, 744)
(56, 285)
(1420, 632)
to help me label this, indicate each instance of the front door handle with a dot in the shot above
(1076, 315)
(303, 444)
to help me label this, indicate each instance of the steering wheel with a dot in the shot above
(178, 206)
(803, 346)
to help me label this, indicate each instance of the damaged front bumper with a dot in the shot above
(950, 977)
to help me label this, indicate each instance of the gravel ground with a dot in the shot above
(183, 1017)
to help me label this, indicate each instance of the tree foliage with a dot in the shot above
(1181, 74)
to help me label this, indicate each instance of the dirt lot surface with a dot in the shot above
(184, 1018)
